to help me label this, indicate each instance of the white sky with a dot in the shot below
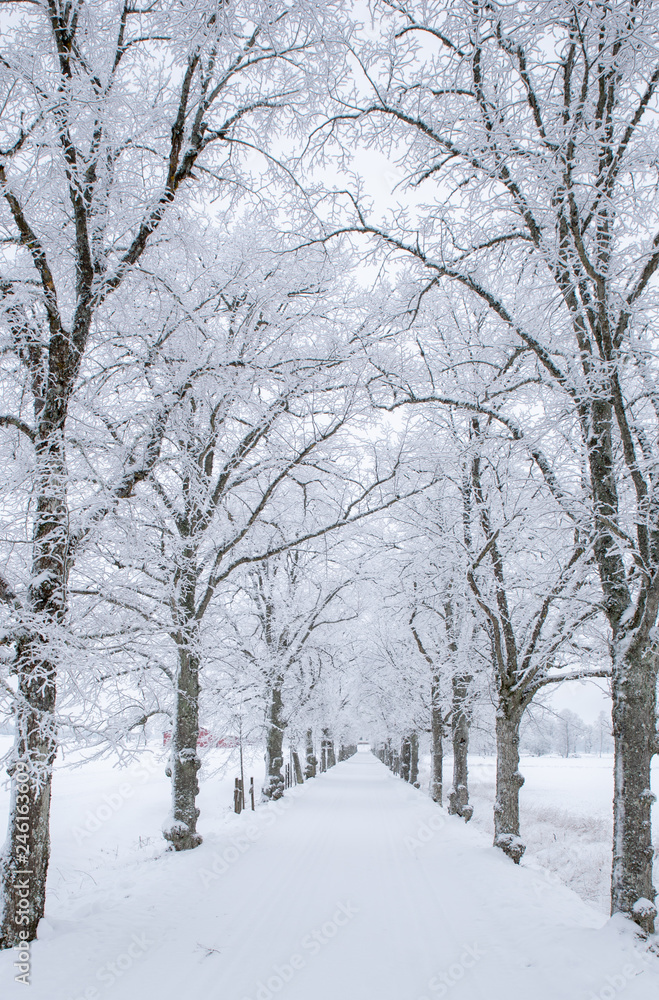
(586, 698)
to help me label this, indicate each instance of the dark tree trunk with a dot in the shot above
(634, 730)
(460, 722)
(509, 782)
(297, 767)
(634, 686)
(327, 758)
(185, 763)
(405, 755)
(311, 759)
(26, 853)
(414, 758)
(274, 746)
(436, 746)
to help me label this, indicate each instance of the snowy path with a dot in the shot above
(358, 887)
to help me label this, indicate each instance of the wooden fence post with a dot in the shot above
(237, 796)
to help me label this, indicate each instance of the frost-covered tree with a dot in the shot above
(296, 603)
(256, 458)
(112, 116)
(524, 135)
(531, 581)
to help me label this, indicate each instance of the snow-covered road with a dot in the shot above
(355, 886)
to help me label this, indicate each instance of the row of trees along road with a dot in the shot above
(119, 126)
(192, 378)
(524, 139)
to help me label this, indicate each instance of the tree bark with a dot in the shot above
(26, 853)
(414, 758)
(634, 689)
(181, 832)
(635, 736)
(327, 757)
(311, 768)
(297, 767)
(460, 722)
(185, 763)
(437, 748)
(405, 755)
(509, 782)
(274, 752)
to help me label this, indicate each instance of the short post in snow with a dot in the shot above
(237, 796)
(251, 792)
(242, 767)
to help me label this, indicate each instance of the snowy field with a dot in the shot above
(354, 886)
(565, 816)
(106, 822)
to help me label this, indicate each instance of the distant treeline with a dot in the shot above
(546, 731)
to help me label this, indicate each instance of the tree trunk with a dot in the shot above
(26, 853)
(185, 762)
(437, 749)
(634, 688)
(460, 722)
(274, 746)
(405, 755)
(635, 735)
(311, 759)
(181, 832)
(297, 767)
(414, 758)
(509, 782)
(327, 758)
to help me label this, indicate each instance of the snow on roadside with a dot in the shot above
(106, 822)
(354, 885)
(565, 816)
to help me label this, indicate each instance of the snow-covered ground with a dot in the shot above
(565, 816)
(354, 886)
